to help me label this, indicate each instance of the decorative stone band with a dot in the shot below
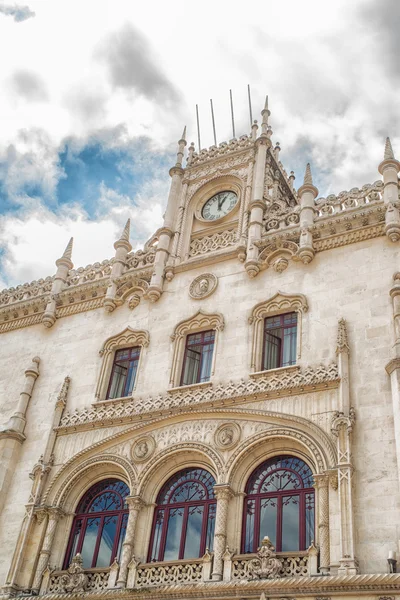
(266, 386)
(355, 586)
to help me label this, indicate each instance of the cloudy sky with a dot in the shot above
(95, 94)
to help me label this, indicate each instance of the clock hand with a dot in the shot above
(222, 201)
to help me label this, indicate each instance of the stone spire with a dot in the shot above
(307, 176)
(342, 344)
(265, 113)
(123, 241)
(388, 150)
(65, 259)
(181, 146)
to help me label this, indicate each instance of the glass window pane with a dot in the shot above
(118, 380)
(272, 351)
(290, 523)
(310, 518)
(193, 531)
(268, 514)
(289, 347)
(107, 541)
(131, 376)
(75, 540)
(89, 542)
(212, 509)
(191, 367)
(250, 514)
(157, 535)
(206, 362)
(122, 355)
(174, 533)
(122, 535)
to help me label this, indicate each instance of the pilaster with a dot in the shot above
(223, 493)
(307, 194)
(389, 169)
(135, 505)
(64, 265)
(122, 247)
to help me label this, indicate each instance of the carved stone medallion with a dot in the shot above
(227, 436)
(204, 285)
(143, 449)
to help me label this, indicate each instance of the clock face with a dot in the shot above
(219, 205)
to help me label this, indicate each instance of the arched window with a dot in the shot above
(280, 504)
(184, 518)
(99, 525)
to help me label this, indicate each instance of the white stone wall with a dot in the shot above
(351, 282)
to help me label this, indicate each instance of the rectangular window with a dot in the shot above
(197, 361)
(280, 341)
(123, 373)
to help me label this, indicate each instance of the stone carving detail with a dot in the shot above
(164, 574)
(90, 272)
(143, 449)
(75, 580)
(141, 258)
(342, 344)
(96, 581)
(222, 150)
(227, 436)
(202, 286)
(292, 566)
(266, 565)
(209, 243)
(270, 385)
(278, 253)
(333, 204)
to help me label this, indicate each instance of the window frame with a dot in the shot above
(186, 506)
(282, 326)
(200, 322)
(202, 343)
(279, 304)
(84, 516)
(128, 338)
(302, 494)
(136, 358)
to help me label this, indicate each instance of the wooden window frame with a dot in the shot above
(128, 338)
(200, 322)
(282, 327)
(134, 356)
(279, 304)
(166, 508)
(302, 494)
(202, 343)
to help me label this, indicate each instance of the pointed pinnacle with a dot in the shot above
(68, 250)
(184, 134)
(126, 231)
(388, 150)
(266, 103)
(307, 176)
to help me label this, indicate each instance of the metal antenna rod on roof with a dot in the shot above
(213, 121)
(250, 111)
(198, 127)
(233, 118)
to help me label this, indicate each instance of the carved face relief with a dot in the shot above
(143, 449)
(227, 436)
(203, 286)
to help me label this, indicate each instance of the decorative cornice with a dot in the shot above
(200, 320)
(267, 387)
(300, 586)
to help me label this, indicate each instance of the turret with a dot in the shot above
(257, 203)
(307, 194)
(63, 264)
(122, 248)
(389, 169)
(166, 232)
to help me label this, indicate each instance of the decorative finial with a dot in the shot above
(183, 138)
(266, 103)
(307, 176)
(126, 231)
(388, 150)
(68, 249)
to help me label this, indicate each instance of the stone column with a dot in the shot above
(54, 514)
(166, 232)
(135, 504)
(322, 486)
(12, 435)
(342, 427)
(389, 169)
(223, 493)
(307, 194)
(393, 367)
(257, 204)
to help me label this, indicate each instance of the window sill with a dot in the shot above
(267, 372)
(192, 386)
(112, 400)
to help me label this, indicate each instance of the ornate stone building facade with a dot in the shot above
(218, 414)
